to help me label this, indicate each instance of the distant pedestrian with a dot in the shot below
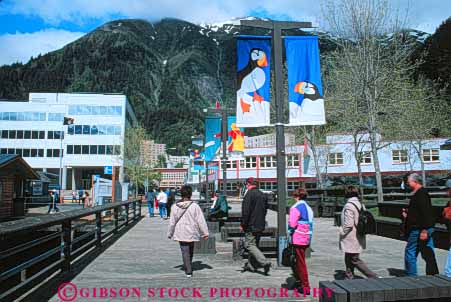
(87, 200)
(74, 196)
(447, 216)
(187, 225)
(351, 243)
(420, 221)
(253, 220)
(300, 225)
(53, 202)
(171, 200)
(80, 196)
(162, 201)
(150, 197)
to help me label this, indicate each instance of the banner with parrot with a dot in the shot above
(305, 91)
(253, 81)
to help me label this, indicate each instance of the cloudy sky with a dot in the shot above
(31, 27)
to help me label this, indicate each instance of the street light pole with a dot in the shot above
(276, 27)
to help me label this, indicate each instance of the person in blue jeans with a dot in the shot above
(420, 223)
(150, 197)
(162, 201)
(448, 261)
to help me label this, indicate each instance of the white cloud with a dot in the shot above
(197, 11)
(20, 47)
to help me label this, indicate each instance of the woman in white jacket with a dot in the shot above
(187, 225)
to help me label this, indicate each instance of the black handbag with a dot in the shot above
(288, 256)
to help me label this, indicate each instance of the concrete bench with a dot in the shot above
(421, 288)
(213, 227)
(327, 209)
(205, 246)
(229, 233)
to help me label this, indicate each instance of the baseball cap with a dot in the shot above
(251, 181)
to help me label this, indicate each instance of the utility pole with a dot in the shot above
(276, 28)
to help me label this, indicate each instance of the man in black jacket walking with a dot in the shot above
(253, 217)
(420, 223)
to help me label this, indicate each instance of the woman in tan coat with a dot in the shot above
(187, 225)
(351, 243)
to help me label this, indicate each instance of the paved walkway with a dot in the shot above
(144, 258)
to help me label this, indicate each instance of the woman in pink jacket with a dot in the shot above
(300, 225)
(187, 225)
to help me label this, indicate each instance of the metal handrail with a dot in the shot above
(64, 250)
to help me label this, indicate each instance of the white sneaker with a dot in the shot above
(188, 276)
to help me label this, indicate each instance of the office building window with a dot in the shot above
(85, 149)
(431, 155)
(77, 149)
(3, 151)
(95, 110)
(399, 156)
(93, 149)
(27, 134)
(55, 134)
(12, 134)
(293, 161)
(336, 158)
(365, 157)
(293, 185)
(19, 134)
(268, 186)
(56, 117)
(94, 130)
(53, 152)
(101, 149)
(4, 133)
(22, 116)
(268, 161)
(251, 162)
(70, 149)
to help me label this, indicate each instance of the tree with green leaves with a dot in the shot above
(135, 170)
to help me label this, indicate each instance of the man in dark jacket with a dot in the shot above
(253, 217)
(420, 223)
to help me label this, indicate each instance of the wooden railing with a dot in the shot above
(33, 248)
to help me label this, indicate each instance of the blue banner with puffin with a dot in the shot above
(253, 81)
(305, 91)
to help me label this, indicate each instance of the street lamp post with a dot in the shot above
(276, 27)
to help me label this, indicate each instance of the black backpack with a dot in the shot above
(366, 224)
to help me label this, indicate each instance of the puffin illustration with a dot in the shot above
(251, 78)
(312, 106)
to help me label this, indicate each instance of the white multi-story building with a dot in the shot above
(336, 161)
(173, 160)
(34, 128)
(266, 140)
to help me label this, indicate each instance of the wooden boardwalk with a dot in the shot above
(144, 258)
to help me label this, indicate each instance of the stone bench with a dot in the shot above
(229, 233)
(213, 227)
(267, 245)
(421, 288)
(205, 246)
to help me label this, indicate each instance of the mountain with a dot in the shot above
(170, 70)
